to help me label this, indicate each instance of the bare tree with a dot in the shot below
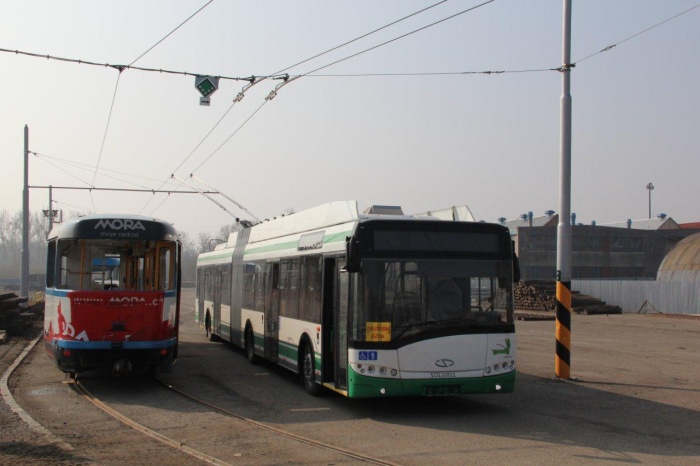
(203, 240)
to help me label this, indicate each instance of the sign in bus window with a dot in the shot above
(378, 331)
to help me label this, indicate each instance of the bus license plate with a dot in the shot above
(442, 390)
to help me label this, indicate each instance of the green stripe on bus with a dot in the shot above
(337, 237)
(272, 248)
(334, 238)
(214, 257)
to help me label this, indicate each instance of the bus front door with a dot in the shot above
(272, 310)
(341, 319)
(335, 316)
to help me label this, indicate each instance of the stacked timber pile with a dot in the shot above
(16, 315)
(584, 304)
(542, 296)
(535, 296)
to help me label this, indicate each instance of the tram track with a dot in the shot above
(84, 392)
(316, 443)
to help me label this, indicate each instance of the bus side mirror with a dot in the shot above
(516, 268)
(352, 253)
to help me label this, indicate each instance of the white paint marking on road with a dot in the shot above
(301, 410)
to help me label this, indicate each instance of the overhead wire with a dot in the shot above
(75, 165)
(362, 36)
(610, 47)
(399, 37)
(117, 67)
(114, 96)
(171, 32)
(89, 167)
(286, 81)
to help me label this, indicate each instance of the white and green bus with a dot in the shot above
(367, 305)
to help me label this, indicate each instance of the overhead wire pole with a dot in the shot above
(24, 259)
(562, 362)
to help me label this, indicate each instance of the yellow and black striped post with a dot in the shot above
(562, 362)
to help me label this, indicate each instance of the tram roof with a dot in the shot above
(122, 226)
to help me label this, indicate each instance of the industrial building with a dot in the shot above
(633, 249)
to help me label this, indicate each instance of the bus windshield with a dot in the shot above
(401, 298)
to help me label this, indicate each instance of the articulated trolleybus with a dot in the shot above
(367, 305)
(112, 294)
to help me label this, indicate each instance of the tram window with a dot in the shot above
(165, 269)
(51, 265)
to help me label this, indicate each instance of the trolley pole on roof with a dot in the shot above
(24, 260)
(562, 362)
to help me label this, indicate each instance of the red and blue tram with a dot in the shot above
(113, 294)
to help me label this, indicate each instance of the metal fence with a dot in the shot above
(644, 295)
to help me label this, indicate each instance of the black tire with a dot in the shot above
(308, 370)
(250, 346)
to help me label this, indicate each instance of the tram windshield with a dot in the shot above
(114, 264)
(401, 298)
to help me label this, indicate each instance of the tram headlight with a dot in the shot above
(488, 370)
(382, 370)
(394, 372)
(505, 365)
(370, 369)
(496, 367)
(512, 365)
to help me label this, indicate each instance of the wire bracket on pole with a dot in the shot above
(567, 67)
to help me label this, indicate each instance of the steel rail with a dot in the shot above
(85, 393)
(291, 435)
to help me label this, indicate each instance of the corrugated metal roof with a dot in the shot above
(646, 224)
(542, 221)
(683, 262)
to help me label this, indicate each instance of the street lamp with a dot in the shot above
(650, 187)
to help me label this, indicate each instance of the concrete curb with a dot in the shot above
(17, 409)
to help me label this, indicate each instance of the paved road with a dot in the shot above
(636, 400)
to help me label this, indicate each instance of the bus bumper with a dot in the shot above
(361, 386)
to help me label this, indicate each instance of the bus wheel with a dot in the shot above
(250, 346)
(308, 371)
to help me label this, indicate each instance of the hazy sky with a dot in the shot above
(490, 141)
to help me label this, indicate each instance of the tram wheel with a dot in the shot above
(308, 371)
(250, 346)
